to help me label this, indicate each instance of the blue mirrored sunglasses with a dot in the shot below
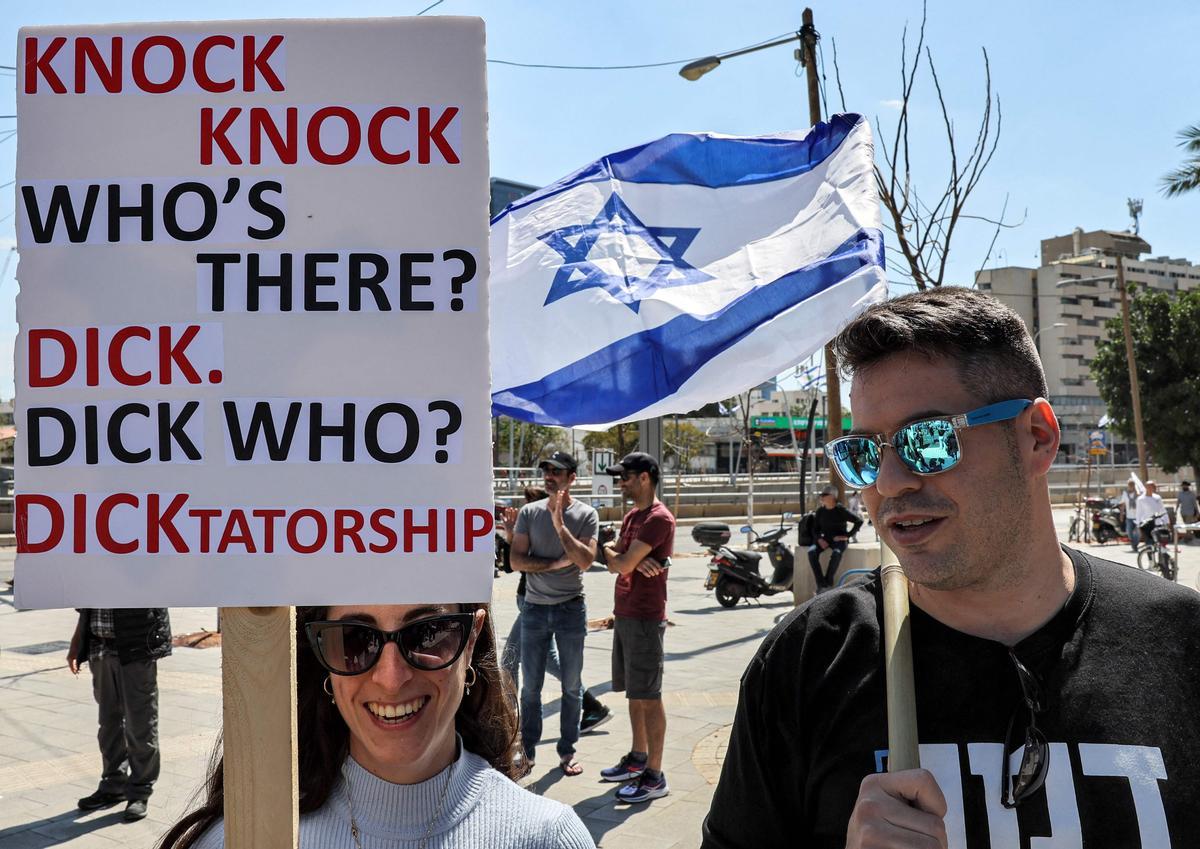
(926, 447)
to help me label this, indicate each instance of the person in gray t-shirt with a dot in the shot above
(554, 541)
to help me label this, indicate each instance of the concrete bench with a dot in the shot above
(858, 555)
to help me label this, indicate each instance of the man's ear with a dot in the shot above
(1046, 435)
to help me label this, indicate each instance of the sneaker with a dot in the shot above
(643, 789)
(99, 800)
(627, 769)
(594, 719)
(136, 810)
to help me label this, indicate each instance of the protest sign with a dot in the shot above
(252, 366)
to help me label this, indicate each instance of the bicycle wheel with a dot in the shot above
(1073, 533)
(1145, 559)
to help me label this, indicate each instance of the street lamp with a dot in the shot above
(1051, 327)
(806, 54)
(694, 70)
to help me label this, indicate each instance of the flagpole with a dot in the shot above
(903, 750)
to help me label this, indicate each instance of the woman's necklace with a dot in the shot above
(428, 828)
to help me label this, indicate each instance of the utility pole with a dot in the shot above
(1133, 378)
(833, 421)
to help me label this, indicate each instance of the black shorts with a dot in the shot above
(637, 657)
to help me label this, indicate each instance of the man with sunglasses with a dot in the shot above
(1042, 717)
(554, 543)
(640, 556)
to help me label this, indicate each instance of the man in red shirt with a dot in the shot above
(640, 557)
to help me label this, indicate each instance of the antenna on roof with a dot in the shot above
(1135, 212)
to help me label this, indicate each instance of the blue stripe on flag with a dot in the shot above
(653, 364)
(699, 159)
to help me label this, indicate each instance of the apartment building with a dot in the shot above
(1065, 303)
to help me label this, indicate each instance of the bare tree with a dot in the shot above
(924, 226)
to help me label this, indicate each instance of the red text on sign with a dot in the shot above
(126, 356)
(329, 135)
(155, 64)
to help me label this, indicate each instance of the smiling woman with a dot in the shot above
(406, 738)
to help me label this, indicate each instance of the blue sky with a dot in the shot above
(1093, 95)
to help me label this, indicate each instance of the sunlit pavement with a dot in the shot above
(49, 757)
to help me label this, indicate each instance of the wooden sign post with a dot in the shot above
(258, 653)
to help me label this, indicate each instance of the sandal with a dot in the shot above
(570, 766)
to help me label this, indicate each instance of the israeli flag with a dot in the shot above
(680, 272)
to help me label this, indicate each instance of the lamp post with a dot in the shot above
(1134, 391)
(693, 71)
(1051, 327)
(807, 55)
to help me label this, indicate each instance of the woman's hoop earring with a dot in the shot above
(474, 678)
(328, 688)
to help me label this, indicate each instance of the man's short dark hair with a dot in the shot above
(987, 341)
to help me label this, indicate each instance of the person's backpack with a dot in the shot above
(807, 529)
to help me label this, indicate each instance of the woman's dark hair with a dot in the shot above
(987, 342)
(485, 719)
(534, 493)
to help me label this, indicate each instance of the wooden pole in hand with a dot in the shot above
(258, 673)
(898, 666)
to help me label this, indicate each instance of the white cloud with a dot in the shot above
(892, 104)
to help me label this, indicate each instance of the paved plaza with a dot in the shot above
(49, 756)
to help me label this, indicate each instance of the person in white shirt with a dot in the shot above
(1150, 505)
(1129, 500)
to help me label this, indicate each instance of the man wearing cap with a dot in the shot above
(829, 531)
(640, 557)
(553, 543)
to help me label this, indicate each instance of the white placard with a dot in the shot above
(252, 366)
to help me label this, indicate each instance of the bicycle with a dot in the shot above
(1075, 532)
(1154, 554)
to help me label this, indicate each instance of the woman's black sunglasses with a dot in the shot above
(352, 648)
(1035, 754)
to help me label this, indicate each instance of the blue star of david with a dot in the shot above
(579, 271)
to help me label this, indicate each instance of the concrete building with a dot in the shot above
(1065, 303)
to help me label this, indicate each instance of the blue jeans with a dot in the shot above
(825, 579)
(510, 658)
(1131, 530)
(565, 624)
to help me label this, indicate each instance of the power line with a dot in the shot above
(430, 6)
(623, 67)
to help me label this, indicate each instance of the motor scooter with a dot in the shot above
(1106, 520)
(733, 574)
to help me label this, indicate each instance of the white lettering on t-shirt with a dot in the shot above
(941, 759)
(1143, 766)
(1066, 832)
(1002, 822)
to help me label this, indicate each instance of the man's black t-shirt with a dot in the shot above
(829, 523)
(1120, 673)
